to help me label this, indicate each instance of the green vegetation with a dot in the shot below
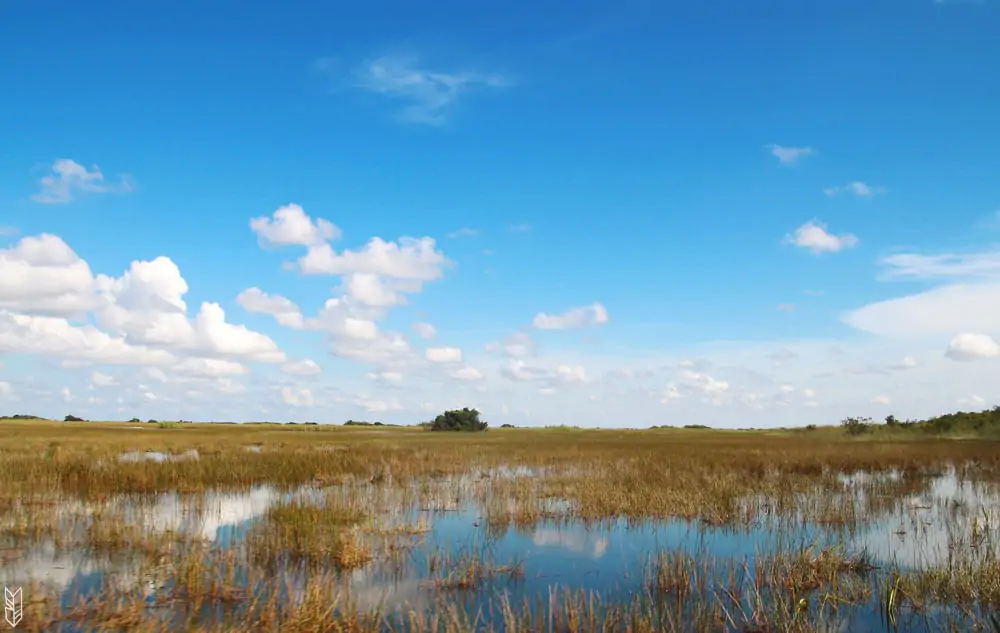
(20, 416)
(73, 418)
(459, 420)
(972, 424)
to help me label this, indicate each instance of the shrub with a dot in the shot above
(856, 426)
(135, 421)
(810, 427)
(890, 420)
(507, 426)
(459, 420)
(73, 418)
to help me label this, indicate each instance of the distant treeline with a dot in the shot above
(986, 422)
(21, 416)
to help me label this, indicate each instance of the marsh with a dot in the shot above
(262, 527)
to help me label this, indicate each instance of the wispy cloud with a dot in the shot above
(948, 265)
(8, 230)
(855, 188)
(429, 94)
(814, 237)
(69, 178)
(519, 228)
(790, 155)
(463, 232)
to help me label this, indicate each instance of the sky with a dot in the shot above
(615, 214)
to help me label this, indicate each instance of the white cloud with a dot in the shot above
(517, 345)
(425, 330)
(5, 388)
(595, 314)
(972, 346)
(98, 380)
(814, 237)
(443, 354)
(790, 155)
(944, 310)
(42, 275)
(370, 290)
(210, 367)
(949, 265)
(463, 232)
(429, 94)
(881, 400)
(855, 188)
(297, 397)
(304, 367)
(519, 228)
(69, 178)
(290, 225)
(466, 373)
(410, 259)
(67, 395)
(374, 405)
(284, 311)
(908, 362)
(52, 336)
(390, 376)
(517, 370)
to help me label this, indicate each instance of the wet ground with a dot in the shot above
(615, 559)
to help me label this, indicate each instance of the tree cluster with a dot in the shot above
(458, 420)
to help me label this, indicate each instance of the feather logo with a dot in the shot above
(13, 608)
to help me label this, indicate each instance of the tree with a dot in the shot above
(890, 420)
(856, 426)
(459, 420)
(73, 418)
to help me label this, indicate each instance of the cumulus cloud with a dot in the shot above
(57, 337)
(595, 314)
(98, 380)
(69, 178)
(409, 259)
(290, 225)
(855, 188)
(968, 346)
(43, 275)
(297, 397)
(304, 367)
(517, 370)
(466, 373)
(443, 354)
(790, 155)
(284, 311)
(814, 237)
(428, 94)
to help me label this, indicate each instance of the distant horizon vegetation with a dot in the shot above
(984, 423)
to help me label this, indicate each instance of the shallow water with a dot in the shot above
(611, 557)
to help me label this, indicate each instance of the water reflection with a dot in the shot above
(612, 557)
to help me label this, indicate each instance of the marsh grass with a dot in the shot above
(356, 499)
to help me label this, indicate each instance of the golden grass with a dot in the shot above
(520, 478)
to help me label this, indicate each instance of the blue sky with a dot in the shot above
(745, 215)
